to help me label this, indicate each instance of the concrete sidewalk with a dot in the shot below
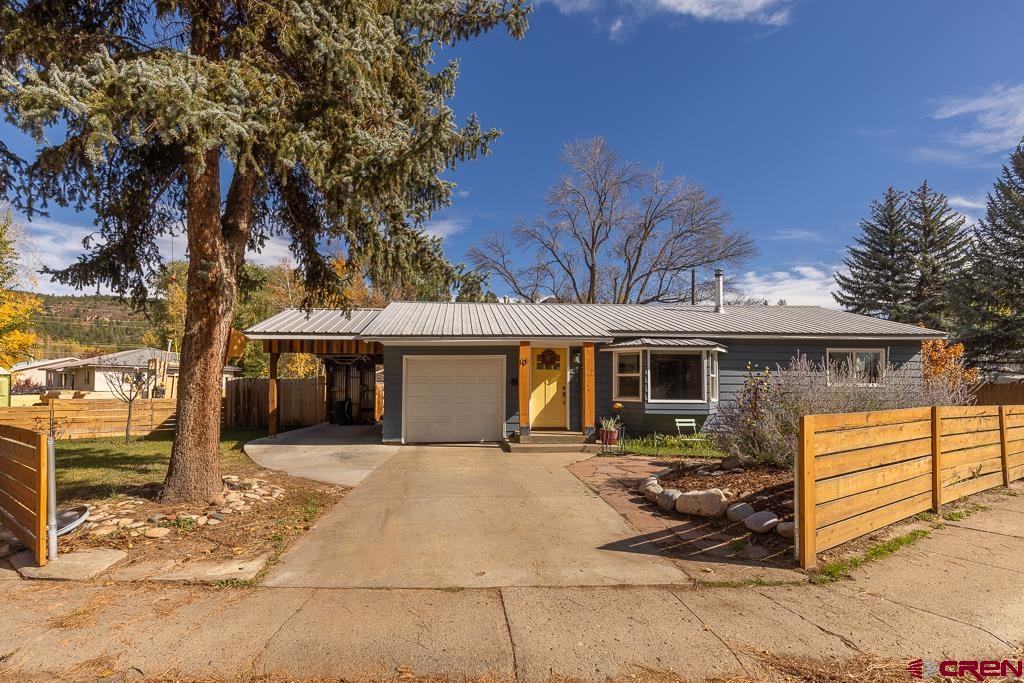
(956, 594)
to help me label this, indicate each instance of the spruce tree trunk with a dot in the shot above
(194, 471)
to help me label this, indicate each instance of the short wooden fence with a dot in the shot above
(23, 487)
(301, 402)
(92, 418)
(858, 472)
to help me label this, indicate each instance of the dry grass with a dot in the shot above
(83, 615)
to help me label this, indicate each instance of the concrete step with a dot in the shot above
(558, 437)
(541, 448)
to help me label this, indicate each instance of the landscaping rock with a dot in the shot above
(739, 512)
(710, 503)
(667, 499)
(104, 531)
(153, 519)
(731, 462)
(217, 500)
(201, 521)
(233, 496)
(786, 529)
(157, 532)
(789, 503)
(648, 481)
(651, 492)
(213, 522)
(217, 516)
(761, 522)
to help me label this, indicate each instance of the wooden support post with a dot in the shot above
(589, 412)
(41, 509)
(936, 459)
(806, 525)
(524, 392)
(1004, 445)
(272, 408)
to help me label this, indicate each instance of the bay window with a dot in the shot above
(627, 376)
(676, 376)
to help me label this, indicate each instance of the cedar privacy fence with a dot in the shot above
(858, 472)
(996, 394)
(92, 418)
(300, 403)
(27, 496)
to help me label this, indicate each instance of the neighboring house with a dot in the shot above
(33, 372)
(94, 376)
(483, 371)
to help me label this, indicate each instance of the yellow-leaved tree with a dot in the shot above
(16, 308)
(943, 361)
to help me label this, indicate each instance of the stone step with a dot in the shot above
(558, 437)
(541, 448)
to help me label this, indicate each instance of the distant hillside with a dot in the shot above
(88, 325)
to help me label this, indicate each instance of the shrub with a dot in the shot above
(763, 422)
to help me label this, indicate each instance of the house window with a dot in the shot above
(627, 376)
(862, 366)
(676, 376)
(714, 375)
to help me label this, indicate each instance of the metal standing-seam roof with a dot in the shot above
(606, 321)
(328, 323)
(665, 342)
(132, 358)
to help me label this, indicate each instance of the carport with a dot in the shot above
(350, 363)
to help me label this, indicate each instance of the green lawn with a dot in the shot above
(88, 469)
(669, 445)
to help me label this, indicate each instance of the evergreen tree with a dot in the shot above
(939, 244)
(327, 120)
(881, 266)
(990, 298)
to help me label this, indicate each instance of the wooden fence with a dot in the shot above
(23, 487)
(858, 472)
(1000, 394)
(88, 419)
(301, 402)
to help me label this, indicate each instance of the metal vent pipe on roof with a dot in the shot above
(719, 290)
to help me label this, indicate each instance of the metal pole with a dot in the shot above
(51, 499)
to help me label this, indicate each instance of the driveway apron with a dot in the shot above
(472, 516)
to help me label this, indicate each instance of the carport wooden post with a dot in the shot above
(524, 391)
(589, 409)
(272, 396)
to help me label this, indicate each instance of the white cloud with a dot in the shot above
(798, 235)
(960, 202)
(766, 12)
(462, 194)
(799, 285)
(53, 244)
(989, 123)
(445, 227)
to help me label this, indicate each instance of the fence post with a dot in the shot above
(1004, 446)
(51, 499)
(936, 459)
(806, 525)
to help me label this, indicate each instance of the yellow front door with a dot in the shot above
(547, 388)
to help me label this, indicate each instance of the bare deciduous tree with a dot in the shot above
(128, 385)
(614, 232)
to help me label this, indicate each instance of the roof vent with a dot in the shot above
(719, 290)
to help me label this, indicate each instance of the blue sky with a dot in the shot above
(796, 113)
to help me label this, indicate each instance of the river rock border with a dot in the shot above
(713, 503)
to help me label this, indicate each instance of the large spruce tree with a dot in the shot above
(939, 245)
(881, 266)
(232, 121)
(990, 297)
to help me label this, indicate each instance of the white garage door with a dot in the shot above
(454, 398)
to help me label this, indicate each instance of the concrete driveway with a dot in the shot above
(334, 454)
(472, 516)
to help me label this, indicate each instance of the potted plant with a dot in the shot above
(609, 432)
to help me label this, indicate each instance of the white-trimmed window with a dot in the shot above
(713, 379)
(627, 376)
(864, 365)
(676, 377)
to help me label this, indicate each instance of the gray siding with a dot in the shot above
(393, 381)
(734, 367)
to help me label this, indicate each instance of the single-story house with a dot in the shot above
(93, 376)
(485, 371)
(33, 372)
